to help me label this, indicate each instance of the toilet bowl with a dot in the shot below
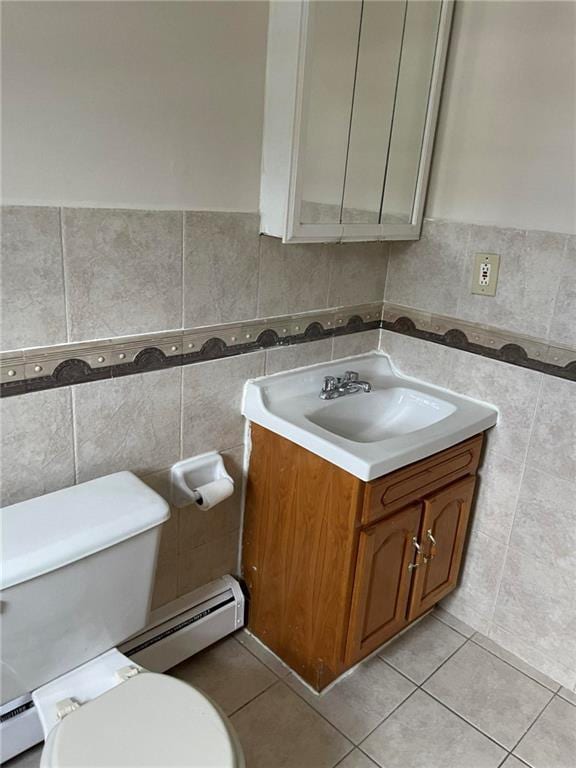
(146, 719)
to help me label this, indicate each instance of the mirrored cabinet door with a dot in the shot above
(379, 47)
(352, 93)
(411, 105)
(329, 90)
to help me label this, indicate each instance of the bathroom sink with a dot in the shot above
(385, 414)
(368, 434)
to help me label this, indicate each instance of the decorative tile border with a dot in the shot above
(62, 365)
(512, 348)
(35, 369)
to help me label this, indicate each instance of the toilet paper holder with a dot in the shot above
(190, 476)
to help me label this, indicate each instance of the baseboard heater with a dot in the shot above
(176, 631)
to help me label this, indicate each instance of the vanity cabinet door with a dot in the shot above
(444, 524)
(382, 581)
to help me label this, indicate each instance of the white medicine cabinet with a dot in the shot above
(352, 95)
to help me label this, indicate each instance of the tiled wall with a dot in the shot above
(519, 583)
(79, 274)
(536, 291)
(73, 274)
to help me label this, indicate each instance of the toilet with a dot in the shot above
(77, 580)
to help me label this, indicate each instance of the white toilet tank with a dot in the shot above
(77, 576)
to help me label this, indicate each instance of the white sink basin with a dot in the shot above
(385, 414)
(368, 434)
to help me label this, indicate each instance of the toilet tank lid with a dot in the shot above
(48, 532)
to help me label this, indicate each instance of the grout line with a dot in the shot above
(544, 708)
(313, 708)
(510, 532)
(427, 692)
(235, 711)
(64, 279)
(418, 687)
(563, 261)
(462, 290)
(521, 671)
(468, 722)
(181, 436)
(74, 434)
(396, 708)
(445, 661)
(525, 460)
(439, 618)
(183, 265)
(330, 281)
(259, 272)
(399, 671)
(563, 698)
(341, 761)
(250, 651)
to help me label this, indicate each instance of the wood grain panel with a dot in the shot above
(445, 516)
(300, 541)
(382, 582)
(394, 491)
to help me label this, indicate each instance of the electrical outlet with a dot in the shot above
(486, 266)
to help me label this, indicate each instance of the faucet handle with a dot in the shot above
(329, 384)
(350, 376)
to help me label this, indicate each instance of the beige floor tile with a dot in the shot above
(261, 652)
(357, 759)
(520, 665)
(279, 730)
(424, 734)
(452, 621)
(226, 672)
(361, 700)
(551, 742)
(513, 762)
(489, 693)
(421, 650)
(568, 695)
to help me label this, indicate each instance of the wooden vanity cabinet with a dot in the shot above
(336, 566)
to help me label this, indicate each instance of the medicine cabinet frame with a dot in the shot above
(289, 44)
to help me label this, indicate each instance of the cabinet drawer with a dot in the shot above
(393, 491)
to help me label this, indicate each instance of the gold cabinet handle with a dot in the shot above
(418, 548)
(433, 549)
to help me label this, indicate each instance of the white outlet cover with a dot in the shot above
(485, 276)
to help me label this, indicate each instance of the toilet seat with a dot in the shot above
(148, 720)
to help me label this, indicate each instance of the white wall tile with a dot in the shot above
(37, 453)
(355, 344)
(298, 355)
(553, 441)
(429, 273)
(129, 423)
(32, 287)
(123, 271)
(211, 402)
(536, 603)
(293, 277)
(357, 273)
(563, 325)
(544, 524)
(220, 267)
(513, 390)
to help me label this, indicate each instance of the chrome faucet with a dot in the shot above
(349, 384)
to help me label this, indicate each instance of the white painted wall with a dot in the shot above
(133, 104)
(159, 105)
(506, 147)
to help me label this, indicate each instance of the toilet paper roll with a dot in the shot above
(213, 493)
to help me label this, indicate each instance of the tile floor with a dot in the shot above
(440, 696)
